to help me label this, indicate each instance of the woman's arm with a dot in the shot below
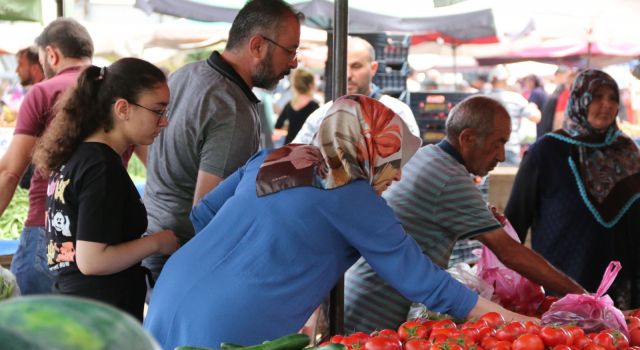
(95, 258)
(208, 207)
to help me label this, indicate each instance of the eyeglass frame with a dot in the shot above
(292, 53)
(163, 114)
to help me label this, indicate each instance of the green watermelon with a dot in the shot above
(68, 323)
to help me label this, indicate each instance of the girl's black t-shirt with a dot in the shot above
(91, 198)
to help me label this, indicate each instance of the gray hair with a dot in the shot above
(476, 113)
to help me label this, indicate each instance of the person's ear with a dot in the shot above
(121, 109)
(257, 46)
(53, 55)
(467, 138)
(374, 67)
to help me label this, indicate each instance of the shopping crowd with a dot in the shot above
(230, 236)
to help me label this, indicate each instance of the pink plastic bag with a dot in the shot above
(511, 290)
(592, 312)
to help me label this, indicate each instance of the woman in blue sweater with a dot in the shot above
(277, 235)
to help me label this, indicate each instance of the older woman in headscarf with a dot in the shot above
(277, 235)
(578, 188)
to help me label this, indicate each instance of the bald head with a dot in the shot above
(361, 66)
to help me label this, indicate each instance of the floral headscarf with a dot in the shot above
(606, 164)
(360, 138)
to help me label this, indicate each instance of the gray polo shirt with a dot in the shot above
(214, 126)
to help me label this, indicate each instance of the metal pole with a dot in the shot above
(60, 8)
(341, 20)
(454, 47)
(338, 78)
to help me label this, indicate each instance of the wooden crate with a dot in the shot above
(5, 260)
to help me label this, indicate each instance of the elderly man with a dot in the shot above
(64, 49)
(214, 116)
(438, 203)
(361, 67)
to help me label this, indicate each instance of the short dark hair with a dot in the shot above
(68, 36)
(259, 16)
(31, 54)
(475, 112)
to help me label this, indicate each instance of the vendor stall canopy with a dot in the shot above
(466, 20)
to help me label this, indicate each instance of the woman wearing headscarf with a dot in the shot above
(578, 188)
(277, 235)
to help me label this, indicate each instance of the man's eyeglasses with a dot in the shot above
(160, 113)
(292, 53)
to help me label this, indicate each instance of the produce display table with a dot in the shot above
(7, 249)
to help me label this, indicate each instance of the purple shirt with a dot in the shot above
(36, 112)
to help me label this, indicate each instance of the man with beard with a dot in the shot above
(30, 72)
(361, 67)
(214, 122)
(29, 69)
(64, 49)
(438, 203)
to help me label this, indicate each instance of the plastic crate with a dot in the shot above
(389, 48)
(431, 110)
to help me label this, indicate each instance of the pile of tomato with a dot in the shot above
(490, 332)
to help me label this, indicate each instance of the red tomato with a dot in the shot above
(472, 333)
(575, 331)
(634, 337)
(528, 341)
(605, 340)
(502, 345)
(336, 339)
(475, 324)
(446, 346)
(417, 344)
(412, 329)
(620, 340)
(531, 327)
(427, 323)
(355, 340)
(593, 346)
(510, 331)
(633, 322)
(448, 332)
(581, 341)
(488, 342)
(443, 324)
(389, 333)
(561, 347)
(382, 343)
(552, 336)
(493, 319)
(486, 331)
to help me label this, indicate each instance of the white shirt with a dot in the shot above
(312, 124)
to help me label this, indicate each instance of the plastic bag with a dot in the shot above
(592, 312)
(511, 290)
(468, 276)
